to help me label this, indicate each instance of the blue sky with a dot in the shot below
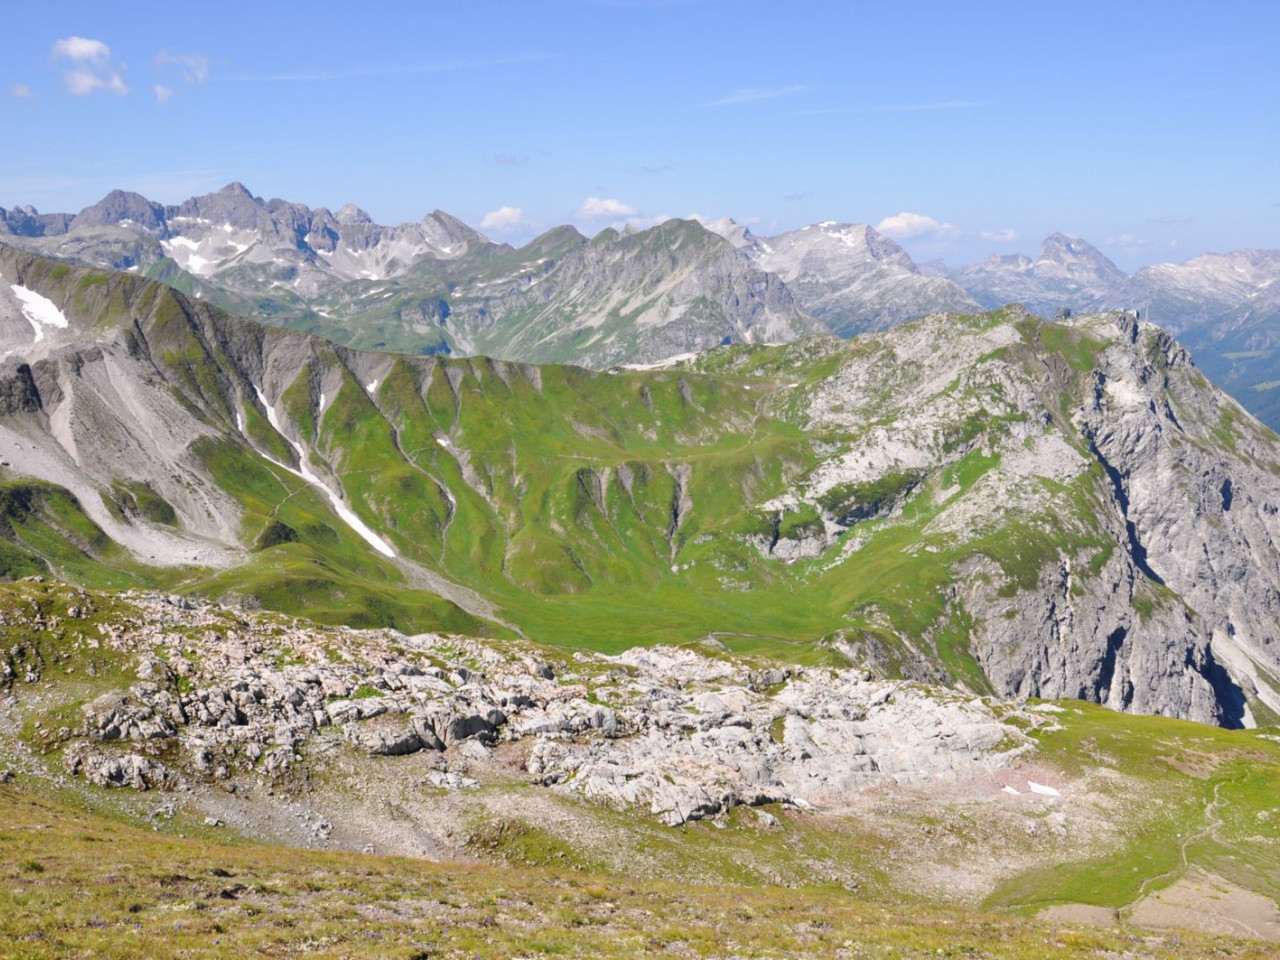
(1150, 129)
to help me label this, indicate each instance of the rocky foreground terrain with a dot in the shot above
(225, 697)
(188, 718)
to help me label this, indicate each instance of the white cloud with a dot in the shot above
(163, 93)
(21, 91)
(1004, 235)
(504, 220)
(91, 67)
(603, 208)
(754, 94)
(644, 223)
(82, 49)
(906, 226)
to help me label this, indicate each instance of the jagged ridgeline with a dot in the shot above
(991, 500)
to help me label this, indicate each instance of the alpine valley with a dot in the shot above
(641, 566)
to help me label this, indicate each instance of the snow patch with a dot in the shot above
(1042, 789)
(661, 364)
(346, 513)
(371, 386)
(40, 311)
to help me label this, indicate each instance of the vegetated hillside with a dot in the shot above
(987, 500)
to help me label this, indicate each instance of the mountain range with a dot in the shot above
(634, 296)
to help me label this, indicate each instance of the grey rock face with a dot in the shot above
(120, 208)
(635, 298)
(850, 276)
(29, 222)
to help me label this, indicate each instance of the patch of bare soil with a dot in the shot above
(1206, 903)
(1083, 913)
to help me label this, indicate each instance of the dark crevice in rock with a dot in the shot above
(1227, 495)
(1106, 675)
(1231, 700)
(1136, 550)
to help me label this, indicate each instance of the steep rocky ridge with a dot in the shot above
(850, 276)
(989, 501)
(1222, 306)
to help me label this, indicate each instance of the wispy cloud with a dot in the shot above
(1003, 235)
(190, 68)
(1174, 219)
(756, 94)
(89, 67)
(20, 91)
(358, 73)
(504, 220)
(174, 69)
(898, 108)
(605, 208)
(510, 160)
(908, 226)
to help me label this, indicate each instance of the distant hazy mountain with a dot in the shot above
(437, 284)
(850, 276)
(1225, 307)
(1067, 272)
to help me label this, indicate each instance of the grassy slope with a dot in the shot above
(1166, 772)
(75, 884)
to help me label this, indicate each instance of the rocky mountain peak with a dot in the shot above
(737, 234)
(1078, 258)
(123, 207)
(351, 214)
(236, 189)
